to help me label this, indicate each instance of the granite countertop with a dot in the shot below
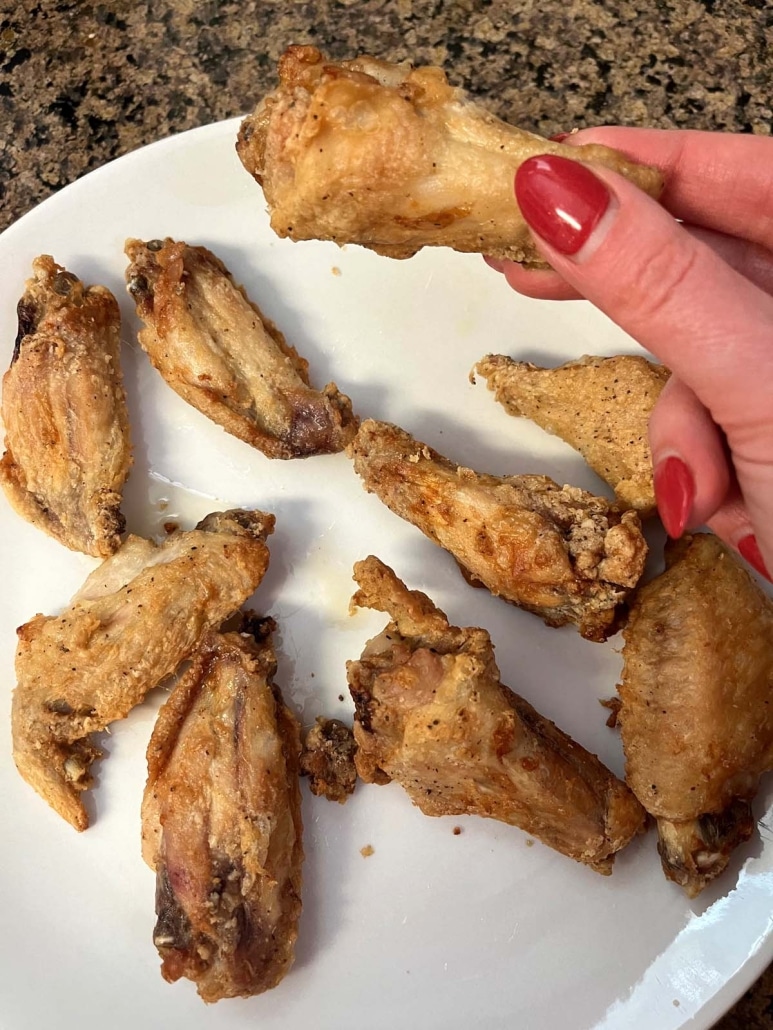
(82, 82)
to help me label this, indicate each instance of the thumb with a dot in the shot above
(626, 254)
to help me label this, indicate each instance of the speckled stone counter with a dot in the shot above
(81, 83)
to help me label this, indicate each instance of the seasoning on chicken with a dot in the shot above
(133, 621)
(64, 410)
(395, 159)
(328, 760)
(221, 820)
(559, 552)
(697, 705)
(215, 349)
(601, 406)
(432, 714)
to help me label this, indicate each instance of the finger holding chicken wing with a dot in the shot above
(559, 552)
(221, 820)
(133, 621)
(696, 708)
(432, 714)
(64, 409)
(215, 348)
(600, 406)
(395, 159)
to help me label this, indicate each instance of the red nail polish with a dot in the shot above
(675, 493)
(562, 200)
(559, 137)
(749, 549)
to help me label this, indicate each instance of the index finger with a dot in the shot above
(721, 181)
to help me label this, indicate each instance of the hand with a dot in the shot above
(697, 293)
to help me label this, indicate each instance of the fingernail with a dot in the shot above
(559, 137)
(562, 200)
(675, 493)
(495, 263)
(749, 549)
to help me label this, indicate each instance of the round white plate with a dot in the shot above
(434, 929)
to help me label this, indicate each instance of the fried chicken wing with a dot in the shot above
(697, 705)
(133, 621)
(221, 819)
(328, 760)
(601, 406)
(559, 552)
(215, 349)
(64, 409)
(432, 714)
(395, 159)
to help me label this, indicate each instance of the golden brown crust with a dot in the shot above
(395, 159)
(432, 714)
(558, 552)
(221, 818)
(600, 406)
(328, 760)
(133, 621)
(64, 410)
(217, 350)
(697, 703)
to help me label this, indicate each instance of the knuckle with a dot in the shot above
(661, 281)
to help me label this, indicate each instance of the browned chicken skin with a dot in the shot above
(559, 552)
(432, 714)
(395, 159)
(64, 410)
(221, 820)
(601, 406)
(215, 349)
(133, 621)
(328, 760)
(697, 705)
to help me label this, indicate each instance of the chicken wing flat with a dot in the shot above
(697, 705)
(432, 714)
(216, 350)
(601, 406)
(221, 819)
(394, 158)
(133, 621)
(559, 552)
(328, 760)
(64, 410)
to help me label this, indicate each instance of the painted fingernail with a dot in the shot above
(675, 494)
(495, 263)
(562, 200)
(749, 550)
(559, 137)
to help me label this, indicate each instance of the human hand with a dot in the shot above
(698, 294)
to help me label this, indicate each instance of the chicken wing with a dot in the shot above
(64, 409)
(697, 705)
(601, 406)
(556, 551)
(394, 158)
(221, 820)
(216, 350)
(328, 760)
(432, 714)
(133, 621)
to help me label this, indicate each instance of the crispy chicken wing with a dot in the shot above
(394, 158)
(221, 820)
(215, 349)
(432, 714)
(556, 551)
(133, 621)
(697, 705)
(601, 406)
(64, 409)
(328, 760)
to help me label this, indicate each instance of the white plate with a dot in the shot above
(434, 930)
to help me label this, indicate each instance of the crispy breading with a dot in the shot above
(221, 820)
(133, 621)
(64, 409)
(432, 714)
(395, 159)
(559, 552)
(697, 705)
(328, 760)
(601, 406)
(217, 350)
